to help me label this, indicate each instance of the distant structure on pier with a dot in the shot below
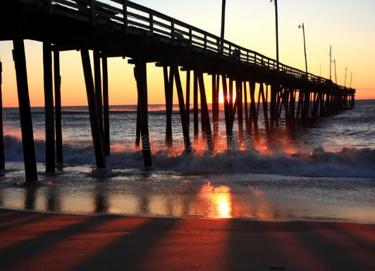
(126, 29)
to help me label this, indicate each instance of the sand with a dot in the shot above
(41, 241)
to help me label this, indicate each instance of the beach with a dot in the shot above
(45, 241)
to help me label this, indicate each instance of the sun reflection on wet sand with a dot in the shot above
(246, 196)
(216, 200)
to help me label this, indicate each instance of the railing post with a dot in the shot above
(172, 31)
(93, 12)
(190, 36)
(125, 15)
(205, 42)
(151, 23)
(218, 47)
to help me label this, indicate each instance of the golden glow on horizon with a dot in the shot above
(340, 28)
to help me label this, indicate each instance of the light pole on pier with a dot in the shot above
(330, 62)
(304, 43)
(222, 26)
(277, 33)
(334, 62)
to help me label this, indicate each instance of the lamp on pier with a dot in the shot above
(304, 43)
(222, 26)
(277, 33)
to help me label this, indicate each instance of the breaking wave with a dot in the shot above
(347, 163)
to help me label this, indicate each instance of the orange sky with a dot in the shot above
(349, 27)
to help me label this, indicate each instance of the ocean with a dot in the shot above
(323, 172)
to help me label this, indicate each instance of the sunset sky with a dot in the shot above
(347, 26)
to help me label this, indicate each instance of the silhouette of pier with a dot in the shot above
(125, 29)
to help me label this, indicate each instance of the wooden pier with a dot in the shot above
(126, 29)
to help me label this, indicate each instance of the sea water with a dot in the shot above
(325, 171)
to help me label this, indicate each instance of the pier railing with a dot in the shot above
(130, 16)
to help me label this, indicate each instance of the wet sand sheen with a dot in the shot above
(41, 241)
(176, 195)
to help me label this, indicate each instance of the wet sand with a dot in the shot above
(42, 241)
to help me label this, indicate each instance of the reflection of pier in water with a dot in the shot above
(125, 29)
(184, 200)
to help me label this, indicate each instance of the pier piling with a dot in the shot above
(2, 154)
(168, 89)
(98, 90)
(58, 119)
(24, 107)
(196, 124)
(205, 119)
(49, 108)
(181, 102)
(107, 143)
(92, 103)
(141, 77)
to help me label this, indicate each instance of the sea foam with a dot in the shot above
(347, 163)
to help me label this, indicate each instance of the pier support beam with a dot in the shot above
(91, 98)
(305, 112)
(275, 88)
(2, 156)
(227, 110)
(265, 108)
(141, 77)
(138, 128)
(107, 140)
(195, 98)
(185, 129)
(253, 112)
(168, 89)
(247, 112)
(288, 114)
(49, 108)
(188, 98)
(98, 90)
(58, 120)
(239, 102)
(24, 108)
(206, 127)
(215, 110)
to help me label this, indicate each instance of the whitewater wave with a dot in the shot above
(347, 163)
